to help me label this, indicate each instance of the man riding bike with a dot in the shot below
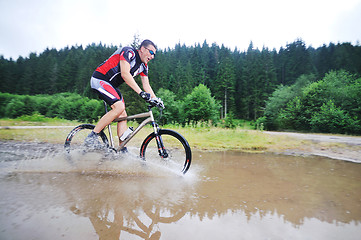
(122, 66)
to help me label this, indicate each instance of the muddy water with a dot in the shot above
(225, 195)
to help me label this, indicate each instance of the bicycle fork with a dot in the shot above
(161, 149)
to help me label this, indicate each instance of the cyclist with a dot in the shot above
(122, 66)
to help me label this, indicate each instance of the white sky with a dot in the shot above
(33, 25)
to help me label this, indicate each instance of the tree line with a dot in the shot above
(241, 82)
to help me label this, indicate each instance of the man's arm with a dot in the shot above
(128, 78)
(146, 86)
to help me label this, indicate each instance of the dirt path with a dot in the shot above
(340, 147)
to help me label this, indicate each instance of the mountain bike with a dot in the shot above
(165, 146)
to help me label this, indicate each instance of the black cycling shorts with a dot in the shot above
(106, 91)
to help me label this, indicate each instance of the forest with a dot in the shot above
(294, 88)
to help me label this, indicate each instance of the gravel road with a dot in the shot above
(340, 147)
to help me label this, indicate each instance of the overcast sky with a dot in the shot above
(33, 25)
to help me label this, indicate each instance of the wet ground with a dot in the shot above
(225, 195)
(341, 147)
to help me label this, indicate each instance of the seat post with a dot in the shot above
(109, 127)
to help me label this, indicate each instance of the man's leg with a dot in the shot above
(122, 126)
(118, 110)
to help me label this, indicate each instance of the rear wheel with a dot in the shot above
(168, 148)
(75, 139)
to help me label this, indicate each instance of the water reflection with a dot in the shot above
(128, 206)
(114, 205)
(225, 195)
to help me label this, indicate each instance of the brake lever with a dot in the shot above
(161, 106)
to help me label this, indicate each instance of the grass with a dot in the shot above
(235, 139)
(36, 120)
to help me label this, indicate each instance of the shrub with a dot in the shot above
(65, 105)
(260, 123)
(328, 105)
(89, 111)
(332, 119)
(200, 105)
(15, 108)
(229, 121)
(171, 113)
(5, 98)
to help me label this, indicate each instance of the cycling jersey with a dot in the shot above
(110, 69)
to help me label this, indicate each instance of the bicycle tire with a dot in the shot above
(76, 137)
(177, 147)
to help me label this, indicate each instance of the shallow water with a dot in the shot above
(225, 195)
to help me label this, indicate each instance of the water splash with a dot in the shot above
(49, 158)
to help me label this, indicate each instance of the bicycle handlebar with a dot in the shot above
(155, 103)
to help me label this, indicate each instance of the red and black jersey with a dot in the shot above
(110, 69)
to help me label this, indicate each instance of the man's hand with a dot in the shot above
(158, 102)
(145, 96)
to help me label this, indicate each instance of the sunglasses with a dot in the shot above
(150, 51)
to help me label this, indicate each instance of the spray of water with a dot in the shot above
(50, 158)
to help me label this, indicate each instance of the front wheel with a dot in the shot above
(167, 148)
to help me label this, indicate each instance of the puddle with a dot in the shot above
(225, 195)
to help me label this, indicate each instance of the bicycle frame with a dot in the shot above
(149, 119)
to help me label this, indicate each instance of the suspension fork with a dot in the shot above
(161, 149)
